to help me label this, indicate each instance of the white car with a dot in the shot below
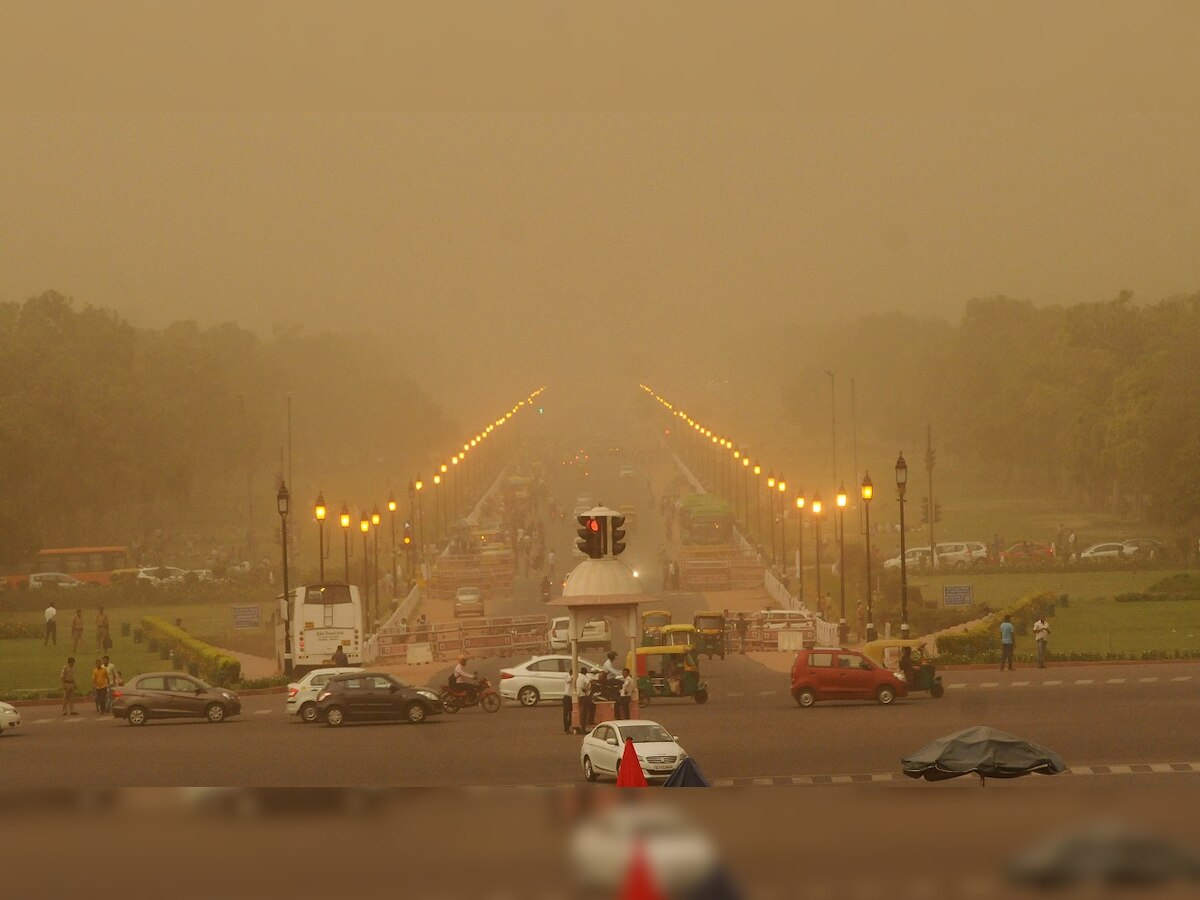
(57, 579)
(961, 554)
(657, 750)
(10, 716)
(163, 575)
(914, 558)
(1103, 551)
(468, 601)
(539, 678)
(779, 619)
(302, 694)
(597, 633)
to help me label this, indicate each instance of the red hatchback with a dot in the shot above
(831, 673)
(1028, 552)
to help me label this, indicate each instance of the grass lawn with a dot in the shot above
(999, 590)
(1105, 626)
(26, 665)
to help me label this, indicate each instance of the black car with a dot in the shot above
(372, 696)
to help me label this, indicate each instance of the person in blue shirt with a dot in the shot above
(1006, 643)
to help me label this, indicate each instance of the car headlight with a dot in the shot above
(899, 676)
(642, 760)
(322, 696)
(228, 696)
(428, 695)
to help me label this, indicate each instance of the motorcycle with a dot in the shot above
(456, 697)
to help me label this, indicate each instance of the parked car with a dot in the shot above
(10, 716)
(833, 673)
(158, 575)
(170, 695)
(54, 579)
(914, 558)
(539, 678)
(961, 554)
(1108, 550)
(468, 601)
(657, 750)
(1144, 548)
(779, 619)
(1027, 552)
(597, 633)
(302, 694)
(374, 696)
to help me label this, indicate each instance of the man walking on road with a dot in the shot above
(76, 631)
(566, 700)
(51, 625)
(67, 677)
(114, 680)
(1007, 644)
(1041, 637)
(587, 708)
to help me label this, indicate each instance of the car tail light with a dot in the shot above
(116, 693)
(292, 692)
(504, 675)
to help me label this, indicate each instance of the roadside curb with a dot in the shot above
(1067, 664)
(57, 701)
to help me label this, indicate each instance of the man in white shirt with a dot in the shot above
(610, 667)
(463, 679)
(627, 686)
(51, 625)
(568, 680)
(587, 708)
(1041, 638)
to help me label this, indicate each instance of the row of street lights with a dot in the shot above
(815, 507)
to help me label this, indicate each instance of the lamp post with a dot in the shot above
(392, 517)
(771, 511)
(320, 512)
(437, 510)
(816, 512)
(375, 520)
(843, 628)
(282, 500)
(781, 485)
(746, 492)
(344, 519)
(733, 486)
(800, 546)
(868, 490)
(421, 534)
(757, 505)
(364, 525)
(901, 484)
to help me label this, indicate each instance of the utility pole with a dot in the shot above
(929, 461)
(833, 420)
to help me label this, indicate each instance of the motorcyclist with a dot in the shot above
(545, 588)
(464, 681)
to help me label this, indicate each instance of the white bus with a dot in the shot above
(325, 615)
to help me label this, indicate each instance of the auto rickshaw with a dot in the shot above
(668, 672)
(710, 633)
(653, 622)
(907, 656)
(679, 636)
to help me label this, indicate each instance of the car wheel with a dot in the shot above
(215, 712)
(588, 772)
(308, 712)
(490, 702)
(335, 716)
(805, 698)
(701, 696)
(136, 715)
(937, 690)
(885, 695)
(415, 712)
(528, 696)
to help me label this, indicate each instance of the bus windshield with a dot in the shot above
(327, 594)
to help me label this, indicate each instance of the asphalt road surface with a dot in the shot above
(750, 729)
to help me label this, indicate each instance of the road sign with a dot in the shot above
(957, 595)
(247, 617)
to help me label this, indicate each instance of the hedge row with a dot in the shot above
(993, 656)
(211, 664)
(983, 638)
(1154, 598)
(9, 630)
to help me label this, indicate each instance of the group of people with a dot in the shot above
(105, 677)
(1008, 643)
(103, 632)
(604, 683)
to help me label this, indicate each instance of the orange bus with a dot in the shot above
(91, 564)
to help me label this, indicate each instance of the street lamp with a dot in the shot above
(745, 493)
(843, 628)
(320, 511)
(437, 510)
(868, 491)
(282, 500)
(375, 520)
(392, 517)
(757, 504)
(345, 522)
(364, 525)
(419, 520)
(901, 484)
(800, 546)
(816, 512)
(781, 485)
(771, 511)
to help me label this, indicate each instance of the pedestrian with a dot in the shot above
(1041, 639)
(51, 625)
(67, 677)
(100, 687)
(568, 680)
(610, 665)
(114, 680)
(1007, 643)
(587, 709)
(339, 657)
(626, 698)
(103, 639)
(860, 616)
(76, 631)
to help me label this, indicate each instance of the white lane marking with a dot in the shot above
(764, 782)
(1020, 684)
(767, 693)
(1182, 678)
(1085, 681)
(990, 684)
(41, 721)
(735, 694)
(957, 684)
(1115, 681)
(1149, 680)
(1052, 681)
(1161, 768)
(74, 721)
(263, 712)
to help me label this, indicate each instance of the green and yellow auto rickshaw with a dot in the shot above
(653, 622)
(679, 636)
(668, 672)
(710, 633)
(908, 657)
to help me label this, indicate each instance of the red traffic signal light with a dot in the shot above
(589, 537)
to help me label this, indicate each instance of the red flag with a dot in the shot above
(630, 774)
(639, 883)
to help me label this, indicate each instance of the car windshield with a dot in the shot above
(644, 734)
(709, 621)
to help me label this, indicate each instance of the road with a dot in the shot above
(750, 729)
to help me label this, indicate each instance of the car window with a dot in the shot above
(380, 683)
(847, 662)
(175, 683)
(545, 665)
(820, 660)
(153, 683)
(318, 680)
(641, 734)
(355, 684)
(604, 733)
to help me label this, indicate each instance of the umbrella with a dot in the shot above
(1110, 852)
(687, 774)
(987, 752)
(630, 773)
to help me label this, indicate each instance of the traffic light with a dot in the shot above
(589, 537)
(617, 545)
(924, 510)
(937, 512)
(408, 534)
